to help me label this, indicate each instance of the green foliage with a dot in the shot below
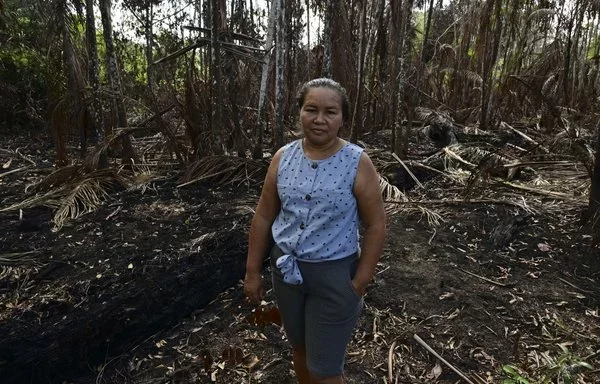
(132, 64)
(514, 374)
(22, 68)
(561, 368)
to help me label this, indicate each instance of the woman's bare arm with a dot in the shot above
(372, 216)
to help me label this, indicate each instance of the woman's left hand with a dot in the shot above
(358, 288)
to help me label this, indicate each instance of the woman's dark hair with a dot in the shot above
(324, 82)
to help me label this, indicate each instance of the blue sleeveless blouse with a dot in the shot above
(318, 220)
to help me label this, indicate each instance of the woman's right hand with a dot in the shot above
(254, 287)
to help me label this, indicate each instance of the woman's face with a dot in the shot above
(321, 115)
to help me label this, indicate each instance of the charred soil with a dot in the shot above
(147, 288)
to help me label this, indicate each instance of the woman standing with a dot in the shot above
(316, 192)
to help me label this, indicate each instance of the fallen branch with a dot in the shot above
(14, 171)
(458, 158)
(542, 192)
(412, 175)
(16, 152)
(434, 353)
(417, 164)
(204, 177)
(461, 202)
(524, 136)
(548, 162)
(485, 279)
(391, 362)
(574, 286)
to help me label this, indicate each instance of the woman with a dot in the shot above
(315, 192)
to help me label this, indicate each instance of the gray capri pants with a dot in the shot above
(321, 313)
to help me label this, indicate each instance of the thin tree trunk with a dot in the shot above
(308, 71)
(215, 67)
(381, 69)
(76, 90)
(406, 129)
(370, 68)
(400, 139)
(260, 129)
(95, 107)
(149, 49)
(357, 118)
(490, 57)
(114, 77)
(420, 64)
(327, 32)
(568, 57)
(279, 76)
(396, 52)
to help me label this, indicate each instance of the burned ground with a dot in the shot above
(146, 288)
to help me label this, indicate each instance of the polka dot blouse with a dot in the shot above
(318, 220)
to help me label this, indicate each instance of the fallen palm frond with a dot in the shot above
(464, 155)
(143, 177)
(429, 116)
(92, 160)
(544, 192)
(18, 258)
(87, 195)
(80, 193)
(433, 218)
(453, 202)
(394, 196)
(390, 192)
(15, 171)
(58, 178)
(224, 170)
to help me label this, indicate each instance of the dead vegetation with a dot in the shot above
(486, 276)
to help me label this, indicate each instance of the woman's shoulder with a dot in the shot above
(291, 145)
(353, 149)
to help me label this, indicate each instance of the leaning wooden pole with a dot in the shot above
(257, 153)
(279, 76)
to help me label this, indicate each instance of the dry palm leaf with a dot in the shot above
(78, 194)
(390, 192)
(87, 194)
(59, 177)
(224, 170)
(93, 158)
